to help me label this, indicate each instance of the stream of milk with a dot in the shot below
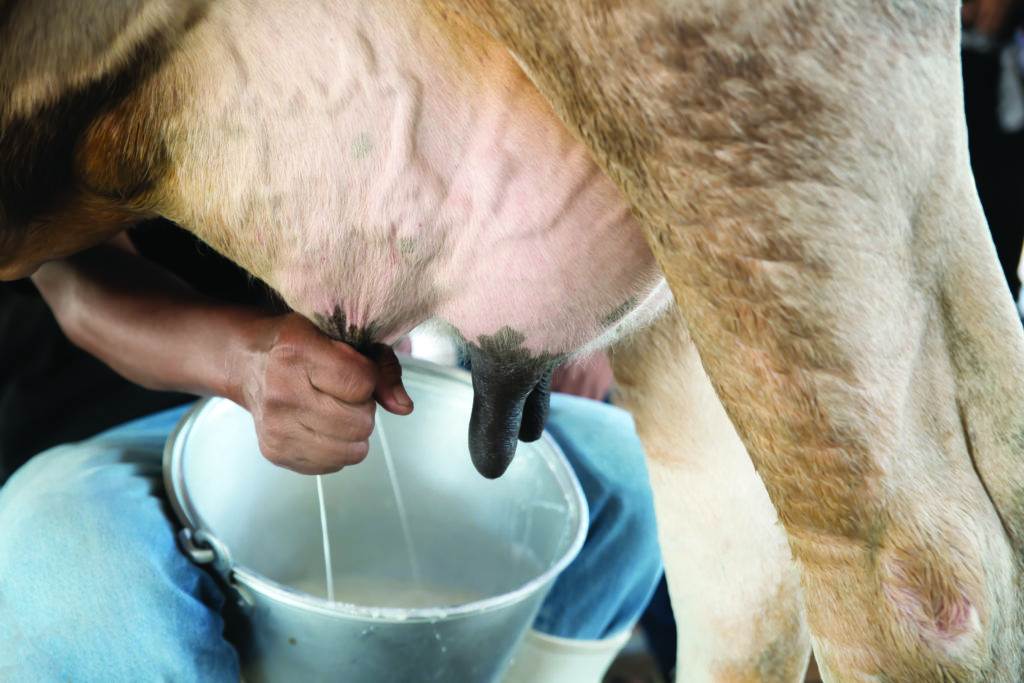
(328, 570)
(396, 491)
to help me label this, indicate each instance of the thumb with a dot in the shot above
(390, 392)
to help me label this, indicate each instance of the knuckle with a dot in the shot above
(329, 459)
(301, 465)
(362, 426)
(275, 399)
(267, 428)
(357, 452)
(270, 448)
(323, 467)
(348, 352)
(273, 436)
(357, 362)
(363, 385)
(285, 351)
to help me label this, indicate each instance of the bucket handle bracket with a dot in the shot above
(204, 548)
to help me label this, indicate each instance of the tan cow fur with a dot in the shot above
(802, 175)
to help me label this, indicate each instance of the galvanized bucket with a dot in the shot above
(451, 605)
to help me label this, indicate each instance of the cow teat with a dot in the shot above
(511, 393)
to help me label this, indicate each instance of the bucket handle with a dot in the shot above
(204, 548)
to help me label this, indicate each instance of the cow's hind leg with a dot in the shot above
(801, 171)
(837, 276)
(735, 588)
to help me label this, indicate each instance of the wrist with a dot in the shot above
(245, 358)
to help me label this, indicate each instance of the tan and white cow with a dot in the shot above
(797, 169)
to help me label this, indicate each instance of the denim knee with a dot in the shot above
(607, 587)
(92, 586)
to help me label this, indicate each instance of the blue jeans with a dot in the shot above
(94, 588)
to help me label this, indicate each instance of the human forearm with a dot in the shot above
(147, 325)
(312, 398)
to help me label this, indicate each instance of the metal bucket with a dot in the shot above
(453, 608)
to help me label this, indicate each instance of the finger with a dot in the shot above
(331, 453)
(315, 461)
(338, 421)
(304, 452)
(338, 370)
(390, 391)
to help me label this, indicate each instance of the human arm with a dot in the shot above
(313, 398)
(989, 17)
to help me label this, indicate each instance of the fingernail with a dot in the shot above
(401, 397)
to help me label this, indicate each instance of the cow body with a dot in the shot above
(802, 176)
(799, 173)
(371, 179)
(376, 177)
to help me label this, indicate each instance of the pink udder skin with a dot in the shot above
(431, 194)
(560, 287)
(366, 276)
(524, 231)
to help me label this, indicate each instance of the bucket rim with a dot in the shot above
(250, 580)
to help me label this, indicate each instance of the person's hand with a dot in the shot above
(988, 17)
(590, 378)
(313, 398)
